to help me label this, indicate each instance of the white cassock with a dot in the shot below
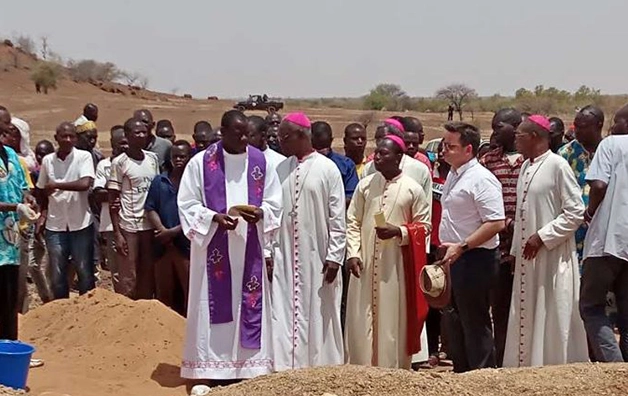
(420, 173)
(273, 158)
(306, 310)
(213, 351)
(544, 325)
(376, 324)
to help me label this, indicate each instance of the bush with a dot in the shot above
(92, 71)
(46, 75)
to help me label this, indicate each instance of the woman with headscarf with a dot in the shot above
(20, 142)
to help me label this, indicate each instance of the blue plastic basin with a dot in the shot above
(15, 358)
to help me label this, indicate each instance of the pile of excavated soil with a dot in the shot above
(572, 380)
(4, 391)
(105, 344)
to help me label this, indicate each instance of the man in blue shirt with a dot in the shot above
(322, 138)
(173, 248)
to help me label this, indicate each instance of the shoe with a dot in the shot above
(200, 390)
(36, 363)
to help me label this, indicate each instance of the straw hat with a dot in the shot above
(435, 283)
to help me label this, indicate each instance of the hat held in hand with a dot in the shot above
(435, 283)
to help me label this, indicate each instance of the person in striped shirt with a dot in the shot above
(505, 163)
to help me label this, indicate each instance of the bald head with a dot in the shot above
(508, 116)
(322, 135)
(90, 111)
(146, 117)
(5, 119)
(620, 122)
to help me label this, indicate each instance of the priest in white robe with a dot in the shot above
(544, 326)
(307, 290)
(388, 218)
(418, 172)
(228, 334)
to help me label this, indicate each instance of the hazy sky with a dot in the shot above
(323, 48)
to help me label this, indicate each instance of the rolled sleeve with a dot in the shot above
(601, 167)
(489, 201)
(115, 178)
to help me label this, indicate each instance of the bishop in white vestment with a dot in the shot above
(544, 326)
(307, 288)
(228, 334)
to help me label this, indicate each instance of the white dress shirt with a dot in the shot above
(608, 231)
(67, 210)
(472, 195)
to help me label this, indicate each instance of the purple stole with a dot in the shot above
(218, 265)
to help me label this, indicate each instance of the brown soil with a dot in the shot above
(105, 344)
(575, 380)
(10, 392)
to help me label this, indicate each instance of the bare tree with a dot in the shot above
(45, 50)
(458, 95)
(130, 77)
(174, 90)
(26, 44)
(144, 82)
(367, 118)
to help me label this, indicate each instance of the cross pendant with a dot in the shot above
(293, 214)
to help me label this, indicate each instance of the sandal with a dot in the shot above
(36, 363)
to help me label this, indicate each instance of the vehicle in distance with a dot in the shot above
(259, 102)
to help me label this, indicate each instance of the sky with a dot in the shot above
(338, 48)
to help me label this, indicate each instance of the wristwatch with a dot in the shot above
(465, 247)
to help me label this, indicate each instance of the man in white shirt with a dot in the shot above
(258, 138)
(131, 175)
(160, 146)
(119, 145)
(65, 179)
(606, 244)
(90, 113)
(473, 215)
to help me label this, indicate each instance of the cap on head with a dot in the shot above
(86, 126)
(299, 119)
(541, 121)
(395, 123)
(398, 141)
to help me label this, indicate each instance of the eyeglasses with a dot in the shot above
(448, 146)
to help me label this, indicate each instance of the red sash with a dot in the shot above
(414, 259)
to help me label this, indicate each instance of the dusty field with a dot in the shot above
(45, 112)
(103, 344)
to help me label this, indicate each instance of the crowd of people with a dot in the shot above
(285, 254)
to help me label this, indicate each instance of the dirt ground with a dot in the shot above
(45, 112)
(103, 344)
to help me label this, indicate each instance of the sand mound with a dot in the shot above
(105, 344)
(574, 380)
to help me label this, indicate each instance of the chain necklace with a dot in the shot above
(527, 189)
(295, 199)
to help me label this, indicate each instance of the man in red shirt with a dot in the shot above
(505, 163)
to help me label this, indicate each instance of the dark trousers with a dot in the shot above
(500, 308)
(76, 244)
(136, 269)
(599, 276)
(432, 327)
(9, 285)
(172, 273)
(468, 320)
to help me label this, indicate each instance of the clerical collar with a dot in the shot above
(307, 156)
(464, 167)
(541, 157)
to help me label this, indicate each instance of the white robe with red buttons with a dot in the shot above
(544, 325)
(306, 310)
(376, 323)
